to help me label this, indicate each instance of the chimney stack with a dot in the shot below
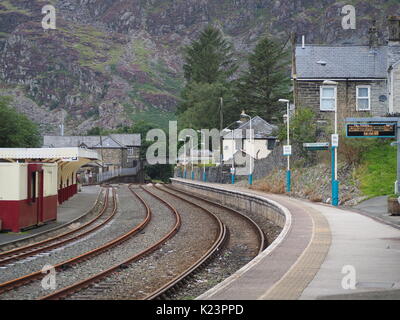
(373, 36)
(394, 28)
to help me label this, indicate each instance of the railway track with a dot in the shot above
(65, 265)
(102, 281)
(95, 289)
(56, 241)
(62, 293)
(262, 241)
(55, 233)
(227, 215)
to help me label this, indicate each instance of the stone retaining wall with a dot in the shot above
(239, 201)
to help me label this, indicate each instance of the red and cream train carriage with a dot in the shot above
(34, 181)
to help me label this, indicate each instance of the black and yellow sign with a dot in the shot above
(372, 130)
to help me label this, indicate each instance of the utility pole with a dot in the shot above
(221, 125)
(62, 123)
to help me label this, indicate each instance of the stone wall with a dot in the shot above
(114, 156)
(239, 201)
(308, 95)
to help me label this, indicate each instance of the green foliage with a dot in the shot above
(302, 128)
(266, 81)
(209, 64)
(97, 131)
(161, 172)
(377, 173)
(202, 102)
(16, 130)
(210, 58)
(140, 127)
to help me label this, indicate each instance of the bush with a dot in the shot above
(16, 130)
(303, 129)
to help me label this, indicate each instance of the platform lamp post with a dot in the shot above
(232, 131)
(252, 145)
(335, 145)
(191, 155)
(184, 157)
(203, 144)
(288, 172)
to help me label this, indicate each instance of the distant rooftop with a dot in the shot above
(262, 129)
(345, 61)
(111, 141)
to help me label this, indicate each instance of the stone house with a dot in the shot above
(259, 147)
(118, 151)
(358, 80)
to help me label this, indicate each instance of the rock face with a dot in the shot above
(110, 61)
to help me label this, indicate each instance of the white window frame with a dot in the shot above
(369, 97)
(321, 98)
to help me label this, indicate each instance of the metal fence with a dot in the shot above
(104, 176)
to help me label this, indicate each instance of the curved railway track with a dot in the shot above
(260, 234)
(156, 293)
(15, 283)
(56, 241)
(62, 293)
(17, 246)
(163, 292)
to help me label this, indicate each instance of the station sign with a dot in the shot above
(371, 130)
(335, 140)
(287, 151)
(69, 159)
(320, 146)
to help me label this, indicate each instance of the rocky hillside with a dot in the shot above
(112, 62)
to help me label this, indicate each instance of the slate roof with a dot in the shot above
(262, 129)
(112, 141)
(341, 62)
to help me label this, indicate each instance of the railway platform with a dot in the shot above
(69, 211)
(323, 252)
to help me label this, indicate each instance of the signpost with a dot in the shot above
(335, 140)
(320, 146)
(287, 151)
(377, 127)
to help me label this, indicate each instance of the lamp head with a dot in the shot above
(284, 100)
(330, 83)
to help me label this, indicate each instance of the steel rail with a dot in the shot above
(263, 242)
(11, 284)
(62, 293)
(17, 253)
(212, 251)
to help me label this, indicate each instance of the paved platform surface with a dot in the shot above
(377, 208)
(329, 253)
(67, 212)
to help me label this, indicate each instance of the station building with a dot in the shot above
(33, 182)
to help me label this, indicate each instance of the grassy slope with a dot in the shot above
(377, 172)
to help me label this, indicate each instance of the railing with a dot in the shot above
(104, 176)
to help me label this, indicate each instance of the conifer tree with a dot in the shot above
(266, 80)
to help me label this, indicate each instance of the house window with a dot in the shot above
(328, 98)
(130, 151)
(363, 98)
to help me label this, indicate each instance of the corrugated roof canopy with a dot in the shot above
(48, 153)
(322, 62)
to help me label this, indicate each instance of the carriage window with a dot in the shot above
(33, 186)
